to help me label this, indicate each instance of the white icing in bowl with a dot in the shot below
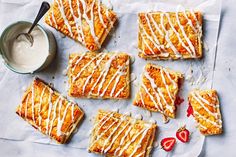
(22, 57)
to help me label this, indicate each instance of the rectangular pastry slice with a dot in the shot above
(206, 111)
(86, 21)
(158, 90)
(99, 75)
(170, 35)
(120, 135)
(49, 112)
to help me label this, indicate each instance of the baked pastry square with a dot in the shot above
(49, 112)
(158, 90)
(206, 111)
(120, 135)
(99, 75)
(86, 21)
(170, 35)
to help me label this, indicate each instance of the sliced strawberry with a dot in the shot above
(178, 101)
(168, 143)
(189, 110)
(183, 134)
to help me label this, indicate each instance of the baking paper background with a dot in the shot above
(122, 38)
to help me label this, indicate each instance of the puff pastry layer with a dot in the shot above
(120, 135)
(49, 112)
(158, 90)
(206, 111)
(86, 21)
(170, 35)
(99, 75)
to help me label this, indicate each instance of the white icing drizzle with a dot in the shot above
(52, 110)
(100, 15)
(141, 154)
(154, 87)
(82, 16)
(207, 120)
(49, 110)
(200, 100)
(123, 138)
(61, 121)
(32, 102)
(114, 139)
(39, 109)
(85, 66)
(177, 34)
(53, 19)
(205, 101)
(155, 24)
(77, 21)
(156, 41)
(196, 20)
(114, 130)
(90, 21)
(189, 21)
(54, 115)
(121, 90)
(196, 97)
(117, 80)
(61, 9)
(153, 37)
(104, 74)
(184, 34)
(90, 76)
(119, 73)
(143, 133)
(148, 46)
(141, 97)
(169, 42)
(98, 137)
(158, 92)
(167, 88)
(26, 105)
(102, 77)
(77, 62)
(115, 125)
(139, 143)
(152, 98)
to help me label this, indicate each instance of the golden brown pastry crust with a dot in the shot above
(90, 28)
(206, 111)
(99, 75)
(49, 112)
(158, 90)
(170, 35)
(119, 135)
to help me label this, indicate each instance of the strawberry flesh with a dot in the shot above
(189, 111)
(179, 101)
(168, 143)
(183, 134)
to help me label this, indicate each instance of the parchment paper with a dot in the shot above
(123, 38)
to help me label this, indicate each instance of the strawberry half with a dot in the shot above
(183, 134)
(168, 143)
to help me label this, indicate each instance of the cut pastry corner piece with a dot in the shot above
(115, 134)
(170, 35)
(206, 111)
(49, 112)
(90, 28)
(158, 90)
(99, 75)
